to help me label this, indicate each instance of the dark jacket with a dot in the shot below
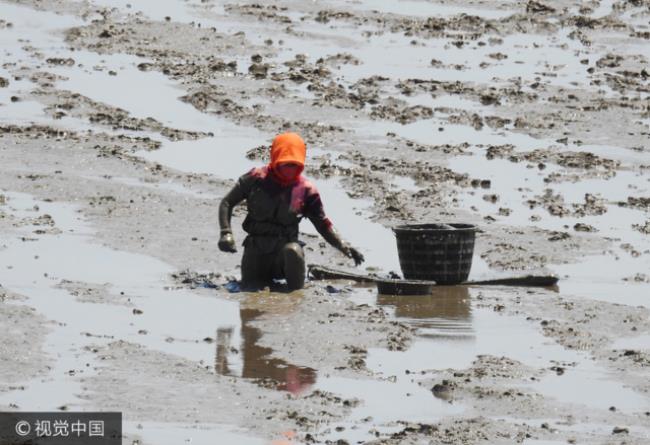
(274, 210)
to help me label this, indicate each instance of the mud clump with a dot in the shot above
(575, 160)
(326, 16)
(195, 280)
(538, 8)
(62, 102)
(582, 227)
(556, 206)
(404, 115)
(634, 357)
(506, 256)
(60, 61)
(642, 203)
(261, 12)
(259, 70)
(261, 152)
(645, 229)
(466, 430)
(357, 358)
(638, 278)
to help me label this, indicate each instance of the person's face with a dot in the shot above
(288, 170)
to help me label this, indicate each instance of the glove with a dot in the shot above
(227, 243)
(353, 253)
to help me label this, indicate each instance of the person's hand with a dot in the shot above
(227, 243)
(353, 253)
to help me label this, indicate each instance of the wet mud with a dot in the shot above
(121, 127)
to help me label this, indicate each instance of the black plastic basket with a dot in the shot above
(435, 251)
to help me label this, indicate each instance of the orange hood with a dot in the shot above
(288, 147)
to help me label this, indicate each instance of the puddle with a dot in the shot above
(514, 183)
(351, 219)
(27, 111)
(172, 321)
(175, 321)
(254, 362)
(446, 314)
(178, 10)
(588, 384)
(144, 95)
(223, 156)
(641, 342)
(424, 8)
(405, 183)
(427, 132)
(23, 111)
(408, 400)
(605, 8)
(169, 186)
(624, 155)
(601, 278)
(453, 337)
(452, 332)
(393, 56)
(458, 333)
(29, 25)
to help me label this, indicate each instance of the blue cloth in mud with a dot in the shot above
(208, 285)
(233, 287)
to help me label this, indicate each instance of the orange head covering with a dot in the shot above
(287, 148)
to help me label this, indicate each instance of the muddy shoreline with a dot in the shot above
(120, 130)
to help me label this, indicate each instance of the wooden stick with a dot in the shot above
(318, 272)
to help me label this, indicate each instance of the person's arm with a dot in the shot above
(236, 195)
(316, 213)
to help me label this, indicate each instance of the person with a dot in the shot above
(278, 196)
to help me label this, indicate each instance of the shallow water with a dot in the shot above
(452, 331)
(577, 386)
(34, 269)
(438, 131)
(422, 8)
(577, 278)
(169, 186)
(173, 321)
(176, 10)
(641, 342)
(385, 402)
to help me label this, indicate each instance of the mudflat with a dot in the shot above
(122, 124)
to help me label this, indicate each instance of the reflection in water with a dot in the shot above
(445, 313)
(286, 440)
(256, 361)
